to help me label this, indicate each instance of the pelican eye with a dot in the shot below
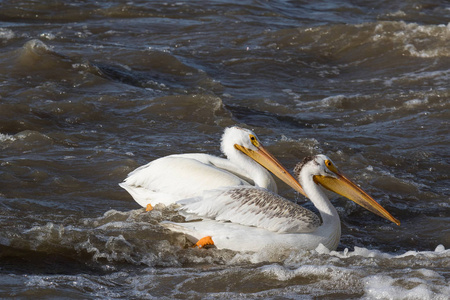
(254, 140)
(330, 166)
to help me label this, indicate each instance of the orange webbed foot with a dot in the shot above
(149, 207)
(206, 241)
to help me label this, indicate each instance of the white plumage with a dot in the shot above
(251, 206)
(245, 218)
(169, 179)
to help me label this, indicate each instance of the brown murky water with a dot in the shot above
(91, 90)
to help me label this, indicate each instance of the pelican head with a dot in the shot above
(237, 141)
(326, 174)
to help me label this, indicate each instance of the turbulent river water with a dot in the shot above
(90, 90)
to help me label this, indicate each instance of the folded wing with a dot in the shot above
(251, 206)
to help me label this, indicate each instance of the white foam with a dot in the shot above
(415, 102)
(333, 100)
(376, 274)
(40, 281)
(369, 168)
(398, 13)
(425, 53)
(387, 287)
(364, 252)
(31, 134)
(283, 273)
(268, 254)
(36, 45)
(429, 273)
(425, 41)
(6, 34)
(47, 35)
(95, 286)
(439, 248)
(6, 137)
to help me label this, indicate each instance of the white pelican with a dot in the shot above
(248, 218)
(175, 177)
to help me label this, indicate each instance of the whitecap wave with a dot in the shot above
(6, 34)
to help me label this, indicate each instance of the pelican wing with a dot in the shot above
(176, 177)
(218, 163)
(251, 206)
